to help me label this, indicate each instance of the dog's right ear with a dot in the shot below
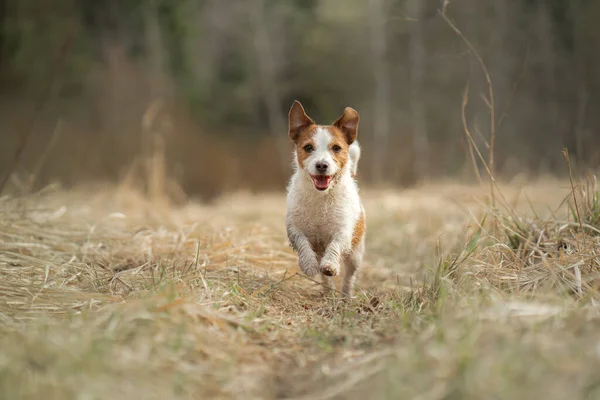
(298, 120)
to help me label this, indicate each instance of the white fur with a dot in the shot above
(321, 153)
(354, 151)
(320, 224)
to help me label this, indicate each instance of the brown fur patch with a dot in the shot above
(304, 137)
(298, 121)
(338, 138)
(348, 124)
(359, 230)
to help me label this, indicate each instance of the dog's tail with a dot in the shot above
(354, 157)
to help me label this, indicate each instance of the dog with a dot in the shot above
(325, 218)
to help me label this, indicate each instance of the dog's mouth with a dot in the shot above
(321, 181)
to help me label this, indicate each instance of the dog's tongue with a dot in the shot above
(321, 181)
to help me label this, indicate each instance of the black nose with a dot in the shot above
(322, 167)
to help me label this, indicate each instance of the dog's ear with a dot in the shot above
(297, 120)
(348, 123)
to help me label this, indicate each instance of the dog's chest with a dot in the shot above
(321, 217)
(319, 224)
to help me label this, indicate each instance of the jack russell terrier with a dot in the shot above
(325, 218)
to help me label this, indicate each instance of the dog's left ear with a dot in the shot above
(297, 120)
(348, 123)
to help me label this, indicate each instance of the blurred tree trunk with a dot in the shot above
(114, 55)
(381, 95)
(154, 49)
(500, 70)
(268, 71)
(204, 43)
(3, 19)
(153, 141)
(479, 111)
(551, 121)
(418, 65)
(580, 73)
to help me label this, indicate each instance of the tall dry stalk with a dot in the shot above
(41, 161)
(55, 71)
(470, 141)
(489, 102)
(573, 189)
(153, 153)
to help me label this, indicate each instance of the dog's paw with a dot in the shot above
(330, 270)
(309, 266)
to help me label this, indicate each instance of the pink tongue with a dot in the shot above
(321, 181)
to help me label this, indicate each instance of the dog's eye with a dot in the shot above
(308, 148)
(336, 148)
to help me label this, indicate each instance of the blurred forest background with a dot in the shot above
(200, 89)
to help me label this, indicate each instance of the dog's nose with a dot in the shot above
(322, 167)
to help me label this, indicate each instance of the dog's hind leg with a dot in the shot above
(352, 263)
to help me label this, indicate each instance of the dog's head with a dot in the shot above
(322, 150)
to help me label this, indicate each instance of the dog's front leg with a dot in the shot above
(307, 259)
(330, 264)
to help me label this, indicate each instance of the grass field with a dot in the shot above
(105, 294)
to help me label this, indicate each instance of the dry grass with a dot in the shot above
(106, 295)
